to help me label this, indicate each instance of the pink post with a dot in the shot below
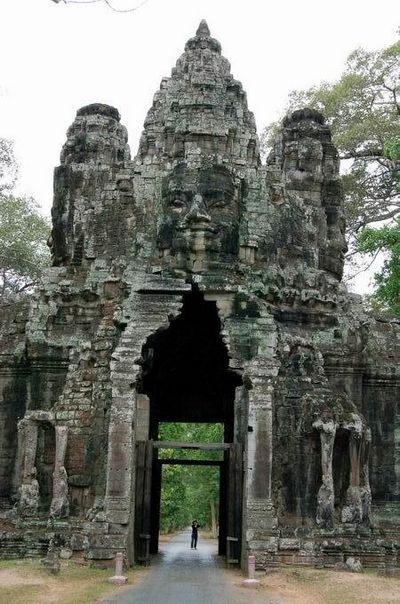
(251, 581)
(252, 567)
(119, 563)
(119, 578)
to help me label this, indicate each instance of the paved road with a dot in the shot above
(180, 575)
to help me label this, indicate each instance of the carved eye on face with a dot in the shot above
(217, 188)
(177, 202)
(216, 200)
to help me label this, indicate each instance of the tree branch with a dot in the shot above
(31, 284)
(386, 216)
(362, 270)
(373, 152)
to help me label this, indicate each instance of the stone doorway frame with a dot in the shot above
(148, 493)
(141, 317)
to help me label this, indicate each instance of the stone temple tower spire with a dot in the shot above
(200, 147)
(201, 102)
(203, 30)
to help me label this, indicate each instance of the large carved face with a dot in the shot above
(334, 251)
(201, 213)
(334, 246)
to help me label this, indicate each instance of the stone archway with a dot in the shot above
(185, 369)
(186, 377)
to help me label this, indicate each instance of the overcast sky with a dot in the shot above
(56, 58)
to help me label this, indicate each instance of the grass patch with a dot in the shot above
(23, 581)
(311, 586)
(18, 563)
(20, 594)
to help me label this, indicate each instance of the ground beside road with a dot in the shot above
(180, 574)
(27, 581)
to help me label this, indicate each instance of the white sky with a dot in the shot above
(56, 58)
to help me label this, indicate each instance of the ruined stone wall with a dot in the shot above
(13, 392)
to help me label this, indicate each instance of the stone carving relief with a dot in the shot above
(201, 216)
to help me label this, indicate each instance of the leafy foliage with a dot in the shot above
(190, 492)
(387, 294)
(363, 110)
(8, 166)
(175, 512)
(23, 231)
(23, 250)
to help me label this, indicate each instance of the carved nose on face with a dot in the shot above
(197, 213)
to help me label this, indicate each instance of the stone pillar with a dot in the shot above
(142, 417)
(260, 524)
(119, 578)
(120, 458)
(251, 580)
(29, 436)
(29, 490)
(259, 514)
(60, 504)
(354, 451)
(241, 403)
(352, 509)
(119, 466)
(326, 494)
(260, 447)
(365, 489)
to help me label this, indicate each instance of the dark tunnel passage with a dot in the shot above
(186, 376)
(185, 370)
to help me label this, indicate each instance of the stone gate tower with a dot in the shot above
(194, 283)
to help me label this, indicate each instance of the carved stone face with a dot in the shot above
(335, 248)
(333, 254)
(201, 214)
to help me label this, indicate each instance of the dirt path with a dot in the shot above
(180, 575)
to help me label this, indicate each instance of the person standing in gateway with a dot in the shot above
(195, 534)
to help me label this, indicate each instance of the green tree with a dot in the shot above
(387, 239)
(203, 496)
(23, 232)
(23, 249)
(8, 166)
(174, 508)
(189, 491)
(363, 110)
